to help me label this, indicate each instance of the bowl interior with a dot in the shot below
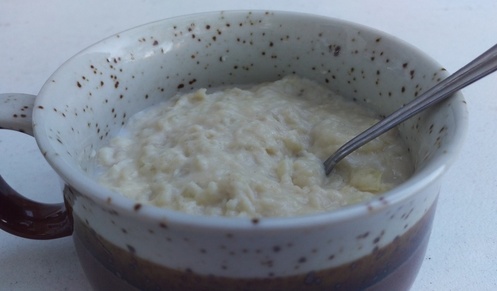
(92, 95)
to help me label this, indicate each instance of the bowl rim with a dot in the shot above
(97, 193)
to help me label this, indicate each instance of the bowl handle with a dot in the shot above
(19, 215)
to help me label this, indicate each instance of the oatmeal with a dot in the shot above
(254, 153)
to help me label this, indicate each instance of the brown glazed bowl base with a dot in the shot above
(395, 267)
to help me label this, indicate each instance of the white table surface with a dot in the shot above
(38, 36)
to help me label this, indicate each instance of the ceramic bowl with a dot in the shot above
(376, 244)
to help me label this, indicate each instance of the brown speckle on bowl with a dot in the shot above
(113, 212)
(131, 249)
(363, 236)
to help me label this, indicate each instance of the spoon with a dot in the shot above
(480, 67)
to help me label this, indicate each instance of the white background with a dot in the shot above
(36, 37)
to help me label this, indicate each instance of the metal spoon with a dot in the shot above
(480, 67)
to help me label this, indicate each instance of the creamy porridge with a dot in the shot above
(254, 153)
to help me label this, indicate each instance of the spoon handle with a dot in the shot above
(480, 67)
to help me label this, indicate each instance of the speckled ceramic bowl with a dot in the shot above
(124, 244)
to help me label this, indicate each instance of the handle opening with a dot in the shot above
(19, 215)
